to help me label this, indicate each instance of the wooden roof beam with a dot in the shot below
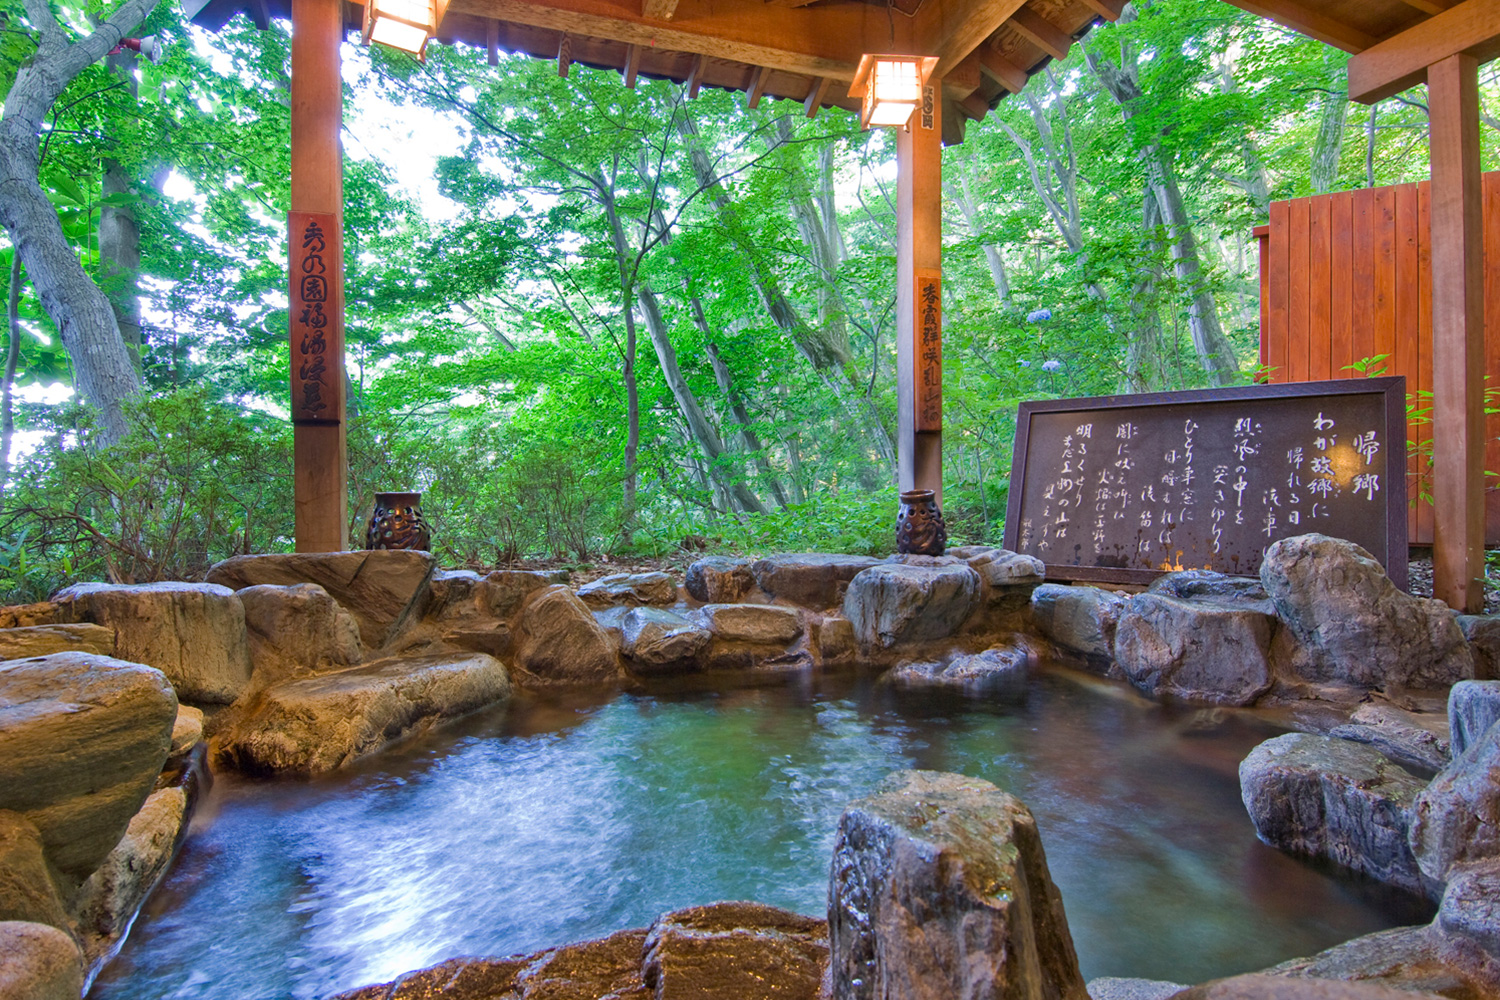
(1429, 6)
(695, 77)
(815, 94)
(492, 41)
(1291, 14)
(1400, 61)
(564, 55)
(1041, 32)
(818, 40)
(952, 29)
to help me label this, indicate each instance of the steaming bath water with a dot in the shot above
(549, 822)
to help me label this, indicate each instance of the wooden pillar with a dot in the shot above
(315, 234)
(919, 303)
(1457, 334)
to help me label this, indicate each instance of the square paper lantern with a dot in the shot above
(403, 24)
(890, 87)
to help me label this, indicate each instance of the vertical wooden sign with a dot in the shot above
(317, 317)
(929, 351)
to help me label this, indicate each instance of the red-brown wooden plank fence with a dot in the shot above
(1348, 276)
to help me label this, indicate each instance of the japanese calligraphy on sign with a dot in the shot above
(929, 108)
(928, 354)
(1124, 488)
(316, 318)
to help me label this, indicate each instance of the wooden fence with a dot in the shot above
(1346, 277)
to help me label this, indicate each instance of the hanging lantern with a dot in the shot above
(890, 87)
(403, 24)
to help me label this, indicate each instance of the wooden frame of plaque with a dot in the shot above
(1121, 489)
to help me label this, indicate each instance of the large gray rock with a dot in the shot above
(1416, 741)
(1457, 816)
(561, 643)
(836, 639)
(629, 589)
(1473, 707)
(1483, 633)
(38, 962)
(381, 589)
(1079, 620)
(719, 580)
(1001, 567)
(1471, 904)
(297, 631)
(656, 641)
(1417, 961)
(1257, 986)
(755, 640)
(735, 951)
(759, 624)
(192, 632)
(939, 888)
(1334, 799)
(1359, 628)
(27, 891)
(107, 903)
(1000, 671)
(1192, 651)
(82, 739)
(320, 723)
(44, 640)
(31, 615)
(814, 580)
(1121, 988)
(1214, 588)
(892, 604)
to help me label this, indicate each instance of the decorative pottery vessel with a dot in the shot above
(920, 530)
(398, 523)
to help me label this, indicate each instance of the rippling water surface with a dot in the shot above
(518, 829)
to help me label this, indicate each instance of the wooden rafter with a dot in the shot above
(1429, 6)
(492, 41)
(564, 55)
(757, 86)
(1108, 9)
(1400, 61)
(1041, 32)
(1299, 18)
(632, 64)
(1000, 69)
(815, 94)
(695, 77)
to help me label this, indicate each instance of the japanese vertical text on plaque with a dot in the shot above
(317, 317)
(929, 353)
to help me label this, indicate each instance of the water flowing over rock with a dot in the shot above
(1334, 799)
(630, 589)
(1001, 567)
(297, 631)
(1454, 818)
(320, 723)
(1079, 620)
(82, 740)
(381, 589)
(1214, 588)
(656, 641)
(814, 580)
(719, 579)
(735, 951)
(44, 640)
(1473, 707)
(187, 730)
(561, 643)
(1256, 986)
(38, 962)
(1359, 628)
(1194, 651)
(939, 888)
(892, 603)
(1000, 672)
(27, 892)
(192, 632)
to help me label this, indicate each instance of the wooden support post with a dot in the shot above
(1457, 334)
(317, 334)
(919, 302)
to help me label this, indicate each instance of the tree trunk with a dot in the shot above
(963, 196)
(699, 429)
(748, 437)
(105, 375)
(120, 259)
(1215, 353)
(12, 362)
(1330, 141)
(1143, 369)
